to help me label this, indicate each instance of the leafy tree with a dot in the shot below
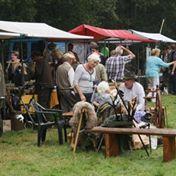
(144, 15)
(147, 15)
(71, 13)
(19, 10)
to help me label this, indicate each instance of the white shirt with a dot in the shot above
(136, 91)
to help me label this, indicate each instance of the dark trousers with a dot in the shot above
(172, 84)
(67, 100)
(44, 95)
(88, 97)
(1, 125)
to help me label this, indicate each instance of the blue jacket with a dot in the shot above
(153, 66)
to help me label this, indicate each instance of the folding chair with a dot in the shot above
(43, 122)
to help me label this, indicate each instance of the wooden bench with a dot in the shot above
(112, 147)
(68, 114)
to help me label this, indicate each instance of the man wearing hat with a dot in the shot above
(133, 89)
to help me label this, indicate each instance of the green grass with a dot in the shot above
(20, 156)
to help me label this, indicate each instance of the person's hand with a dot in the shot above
(83, 98)
(122, 47)
(172, 73)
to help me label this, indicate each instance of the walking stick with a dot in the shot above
(77, 133)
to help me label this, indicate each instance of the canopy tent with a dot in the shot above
(101, 34)
(154, 36)
(8, 35)
(116, 41)
(40, 30)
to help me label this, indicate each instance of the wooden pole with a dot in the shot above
(161, 28)
(77, 133)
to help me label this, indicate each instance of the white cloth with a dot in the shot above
(136, 91)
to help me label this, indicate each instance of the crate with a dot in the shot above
(6, 125)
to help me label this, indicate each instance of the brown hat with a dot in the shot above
(130, 76)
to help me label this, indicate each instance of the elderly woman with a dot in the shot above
(85, 76)
(153, 66)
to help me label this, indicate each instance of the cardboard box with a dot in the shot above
(6, 125)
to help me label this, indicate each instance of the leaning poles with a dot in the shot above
(120, 93)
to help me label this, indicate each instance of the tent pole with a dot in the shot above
(161, 28)
(2, 53)
(21, 49)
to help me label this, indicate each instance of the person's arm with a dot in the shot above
(71, 74)
(164, 64)
(174, 66)
(130, 54)
(173, 69)
(77, 77)
(79, 91)
(140, 99)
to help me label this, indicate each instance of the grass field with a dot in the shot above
(20, 156)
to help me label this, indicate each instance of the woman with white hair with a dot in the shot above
(153, 66)
(85, 76)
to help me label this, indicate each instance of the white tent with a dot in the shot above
(154, 36)
(40, 30)
(8, 35)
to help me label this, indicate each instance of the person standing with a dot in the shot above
(115, 65)
(101, 74)
(17, 71)
(94, 48)
(43, 78)
(172, 78)
(153, 66)
(85, 76)
(2, 97)
(64, 81)
(54, 57)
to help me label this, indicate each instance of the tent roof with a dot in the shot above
(116, 41)
(154, 36)
(100, 33)
(40, 30)
(8, 35)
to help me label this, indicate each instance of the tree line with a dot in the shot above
(143, 15)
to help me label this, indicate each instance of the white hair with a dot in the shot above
(68, 56)
(94, 57)
(103, 87)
